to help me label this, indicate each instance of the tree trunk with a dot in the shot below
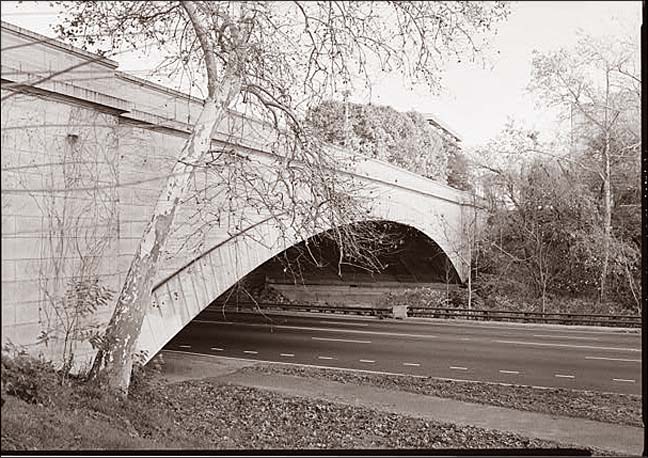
(114, 359)
(607, 216)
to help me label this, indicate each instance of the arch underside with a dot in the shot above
(391, 254)
(184, 295)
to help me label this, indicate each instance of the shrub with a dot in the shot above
(31, 379)
(416, 297)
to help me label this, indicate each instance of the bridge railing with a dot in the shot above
(440, 312)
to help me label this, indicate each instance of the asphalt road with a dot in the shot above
(537, 355)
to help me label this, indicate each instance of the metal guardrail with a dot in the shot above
(440, 312)
(340, 309)
(528, 317)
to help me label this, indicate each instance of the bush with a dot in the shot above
(416, 297)
(31, 379)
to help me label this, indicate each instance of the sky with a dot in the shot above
(477, 100)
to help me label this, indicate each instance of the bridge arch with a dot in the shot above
(151, 123)
(398, 254)
(180, 297)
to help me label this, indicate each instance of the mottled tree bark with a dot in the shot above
(114, 359)
(113, 363)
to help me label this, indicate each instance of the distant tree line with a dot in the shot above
(562, 231)
(564, 214)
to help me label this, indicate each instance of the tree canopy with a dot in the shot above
(403, 139)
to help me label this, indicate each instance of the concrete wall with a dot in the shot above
(83, 159)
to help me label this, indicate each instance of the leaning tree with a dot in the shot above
(281, 57)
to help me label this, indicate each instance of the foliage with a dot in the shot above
(544, 230)
(597, 83)
(74, 317)
(381, 132)
(460, 169)
(419, 297)
(31, 379)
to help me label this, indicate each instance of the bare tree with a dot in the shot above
(281, 57)
(597, 84)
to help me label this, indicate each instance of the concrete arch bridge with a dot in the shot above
(84, 154)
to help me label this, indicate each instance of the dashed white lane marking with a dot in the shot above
(287, 355)
(359, 331)
(564, 376)
(565, 337)
(544, 344)
(216, 349)
(502, 371)
(251, 352)
(459, 368)
(184, 346)
(369, 361)
(344, 324)
(465, 338)
(411, 364)
(367, 371)
(329, 339)
(324, 357)
(624, 380)
(614, 359)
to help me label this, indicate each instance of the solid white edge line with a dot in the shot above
(330, 339)
(399, 374)
(613, 359)
(546, 344)
(310, 328)
(565, 337)
(364, 325)
(499, 325)
(624, 380)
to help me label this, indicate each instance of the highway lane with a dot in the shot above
(550, 356)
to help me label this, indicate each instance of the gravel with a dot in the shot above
(620, 409)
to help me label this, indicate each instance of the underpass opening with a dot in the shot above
(315, 271)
